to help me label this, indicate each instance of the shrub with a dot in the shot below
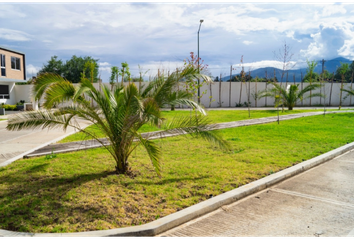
(9, 107)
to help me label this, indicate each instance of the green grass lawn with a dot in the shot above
(216, 116)
(79, 191)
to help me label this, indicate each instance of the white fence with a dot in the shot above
(228, 94)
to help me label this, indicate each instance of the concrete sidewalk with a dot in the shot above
(15, 144)
(318, 202)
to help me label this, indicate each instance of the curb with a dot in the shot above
(173, 220)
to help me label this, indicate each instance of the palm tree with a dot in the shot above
(290, 95)
(119, 114)
(343, 69)
(310, 71)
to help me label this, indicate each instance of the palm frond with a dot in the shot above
(153, 151)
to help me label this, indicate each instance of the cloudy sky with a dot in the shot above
(160, 35)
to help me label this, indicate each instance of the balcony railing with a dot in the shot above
(4, 96)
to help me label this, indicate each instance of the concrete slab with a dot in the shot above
(317, 202)
(15, 144)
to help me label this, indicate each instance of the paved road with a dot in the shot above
(318, 202)
(14, 144)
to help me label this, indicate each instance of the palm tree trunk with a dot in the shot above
(220, 91)
(239, 101)
(302, 102)
(122, 76)
(211, 95)
(351, 87)
(340, 96)
(330, 94)
(230, 86)
(255, 104)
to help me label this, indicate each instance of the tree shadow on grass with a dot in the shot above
(38, 200)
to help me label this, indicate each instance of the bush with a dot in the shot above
(9, 107)
(20, 103)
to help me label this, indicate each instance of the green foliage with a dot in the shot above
(290, 95)
(119, 114)
(9, 107)
(21, 103)
(74, 69)
(114, 75)
(311, 76)
(54, 65)
(77, 192)
(346, 73)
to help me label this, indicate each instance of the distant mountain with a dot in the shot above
(330, 65)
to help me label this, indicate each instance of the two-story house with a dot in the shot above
(12, 70)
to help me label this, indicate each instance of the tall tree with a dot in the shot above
(114, 76)
(343, 69)
(74, 69)
(54, 65)
(310, 73)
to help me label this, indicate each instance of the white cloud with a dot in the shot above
(104, 64)
(262, 64)
(14, 35)
(330, 41)
(9, 11)
(32, 70)
(329, 10)
(247, 42)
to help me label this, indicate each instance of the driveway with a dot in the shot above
(15, 144)
(318, 202)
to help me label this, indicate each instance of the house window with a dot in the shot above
(2, 65)
(4, 92)
(15, 63)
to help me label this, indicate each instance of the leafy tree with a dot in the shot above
(74, 69)
(194, 86)
(114, 76)
(289, 96)
(342, 70)
(347, 75)
(124, 70)
(119, 114)
(54, 65)
(310, 72)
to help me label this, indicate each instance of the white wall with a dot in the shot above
(23, 92)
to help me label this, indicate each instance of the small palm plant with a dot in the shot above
(290, 95)
(119, 114)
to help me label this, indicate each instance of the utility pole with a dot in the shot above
(201, 21)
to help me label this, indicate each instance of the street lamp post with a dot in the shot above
(201, 21)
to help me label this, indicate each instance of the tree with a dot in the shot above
(290, 95)
(343, 69)
(74, 69)
(194, 85)
(310, 73)
(54, 65)
(119, 114)
(114, 76)
(124, 70)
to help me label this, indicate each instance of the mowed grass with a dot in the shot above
(80, 192)
(216, 116)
